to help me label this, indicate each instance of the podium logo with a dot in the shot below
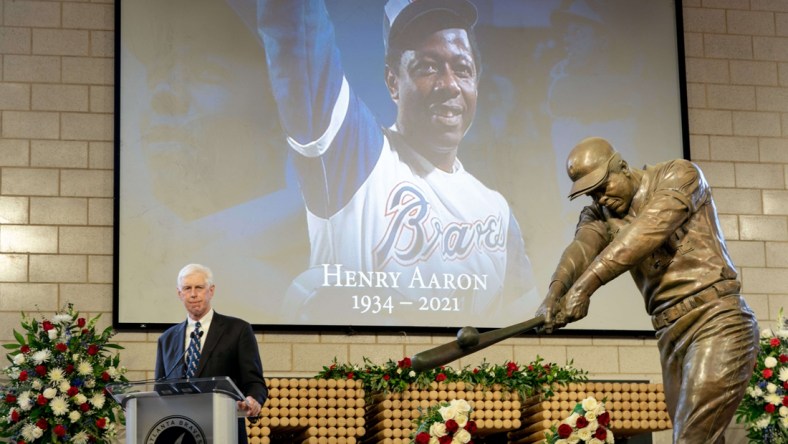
(175, 430)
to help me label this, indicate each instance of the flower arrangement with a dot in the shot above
(588, 424)
(54, 389)
(396, 376)
(764, 409)
(445, 423)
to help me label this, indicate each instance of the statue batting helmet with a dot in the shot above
(588, 165)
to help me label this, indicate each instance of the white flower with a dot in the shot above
(561, 441)
(461, 420)
(84, 368)
(80, 438)
(593, 425)
(24, 402)
(766, 333)
(64, 386)
(590, 404)
(784, 422)
(61, 318)
(771, 388)
(412, 374)
(19, 359)
(572, 420)
(590, 416)
(783, 411)
(41, 356)
(438, 429)
(773, 398)
(609, 439)
(770, 362)
(90, 383)
(462, 436)
(52, 334)
(573, 438)
(98, 400)
(56, 375)
(80, 399)
(782, 333)
(783, 374)
(38, 432)
(59, 406)
(50, 392)
(36, 384)
(584, 434)
(29, 432)
(74, 415)
(112, 372)
(448, 411)
(594, 441)
(762, 422)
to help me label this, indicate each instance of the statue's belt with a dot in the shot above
(716, 291)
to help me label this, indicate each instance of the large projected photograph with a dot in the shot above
(332, 176)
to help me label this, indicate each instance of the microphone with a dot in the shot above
(179, 361)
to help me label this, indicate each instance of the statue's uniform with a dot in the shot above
(672, 244)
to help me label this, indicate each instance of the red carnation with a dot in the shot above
(785, 400)
(25, 349)
(476, 370)
(41, 400)
(531, 368)
(423, 438)
(564, 430)
(92, 349)
(101, 423)
(84, 407)
(774, 342)
(105, 376)
(21, 441)
(61, 347)
(582, 422)
(350, 375)
(471, 427)
(767, 373)
(769, 408)
(46, 325)
(23, 375)
(72, 391)
(404, 363)
(445, 439)
(81, 322)
(85, 331)
(15, 416)
(783, 358)
(9, 398)
(42, 424)
(41, 370)
(452, 426)
(600, 433)
(603, 419)
(440, 377)
(69, 369)
(59, 430)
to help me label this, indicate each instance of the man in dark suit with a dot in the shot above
(227, 344)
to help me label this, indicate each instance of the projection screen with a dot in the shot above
(205, 173)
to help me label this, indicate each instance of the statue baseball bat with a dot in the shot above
(467, 344)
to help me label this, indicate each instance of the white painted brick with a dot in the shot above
(696, 95)
(699, 147)
(32, 13)
(773, 150)
(81, 126)
(13, 267)
(707, 70)
(58, 211)
(87, 183)
(704, 20)
(14, 152)
(760, 175)
(20, 297)
(101, 155)
(718, 174)
(100, 267)
(57, 153)
(777, 255)
(102, 43)
(737, 201)
(85, 240)
(96, 296)
(770, 48)
(31, 68)
(747, 253)
(764, 280)
(750, 22)
(769, 5)
(756, 123)
(710, 122)
(766, 228)
(48, 97)
(734, 148)
(723, 4)
(722, 46)
(91, 71)
(29, 182)
(100, 211)
(14, 96)
(781, 24)
(775, 202)
(88, 16)
(28, 239)
(30, 125)
(13, 210)
(58, 268)
(772, 98)
(644, 359)
(747, 72)
(595, 359)
(102, 99)
(15, 40)
(61, 42)
(693, 44)
(731, 97)
(782, 73)
(730, 226)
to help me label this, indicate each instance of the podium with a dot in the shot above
(196, 410)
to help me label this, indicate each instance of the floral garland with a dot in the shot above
(397, 376)
(55, 389)
(445, 423)
(588, 424)
(764, 409)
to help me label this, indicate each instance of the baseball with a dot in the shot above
(467, 337)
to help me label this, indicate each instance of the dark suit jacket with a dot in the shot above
(230, 350)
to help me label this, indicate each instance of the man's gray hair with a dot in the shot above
(195, 268)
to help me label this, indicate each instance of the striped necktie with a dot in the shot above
(193, 352)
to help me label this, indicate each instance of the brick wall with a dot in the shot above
(56, 189)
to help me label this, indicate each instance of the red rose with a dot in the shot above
(85, 331)
(9, 398)
(476, 371)
(440, 377)
(785, 400)
(531, 368)
(46, 325)
(600, 433)
(511, 366)
(386, 377)
(452, 426)
(105, 376)
(69, 369)
(23, 375)
(25, 349)
(582, 422)
(61, 347)
(774, 342)
(42, 424)
(72, 391)
(81, 322)
(92, 349)
(767, 373)
(564, 430)
(21, 441)
(41, 400)
(471, 427)
(769, 408)
(15, 416)
(405, 363)
(423, 438)
(41, 370)
(445, 439)
(59, 430)
(84, 407)
(783, 358)
(101, 423)
(603, 419)
(785, 385)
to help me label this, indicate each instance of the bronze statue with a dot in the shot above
(661, 225)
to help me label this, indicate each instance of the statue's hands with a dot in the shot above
(550, 307)
(577, 300)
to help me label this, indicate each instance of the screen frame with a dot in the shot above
(142, 326)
